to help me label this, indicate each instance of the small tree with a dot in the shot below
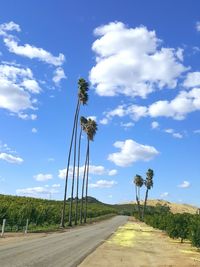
(178, 226)
(195, 231)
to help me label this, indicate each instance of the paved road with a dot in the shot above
(59, 249)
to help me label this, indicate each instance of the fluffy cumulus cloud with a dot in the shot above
(103, 184)
(126, 60)
(184, 184)
(178, 108)
(131, 152)
(43, 177)
(16, 89)
(18, 86)
(192, 79)
(11, 158)
(93, 169)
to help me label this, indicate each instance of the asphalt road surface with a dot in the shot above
(60, 249)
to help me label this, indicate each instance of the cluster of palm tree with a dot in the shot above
(89, 127)
(148, 183)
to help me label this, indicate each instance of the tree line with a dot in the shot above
(183, 226)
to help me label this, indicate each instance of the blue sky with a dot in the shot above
(142, 61)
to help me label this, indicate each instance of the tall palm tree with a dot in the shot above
(138, 181)
(149, 184)
(84, 176)
(83, 122)
(91, 129)
(82, 98)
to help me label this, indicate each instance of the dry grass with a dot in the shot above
(174, 207)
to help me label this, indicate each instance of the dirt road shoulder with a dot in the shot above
(135, 244)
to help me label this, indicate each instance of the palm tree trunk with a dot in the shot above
(74, 171)
(77, 180)
(145, 204)
(83, 186)
(86, 194)
(62, 224)
(137, 200)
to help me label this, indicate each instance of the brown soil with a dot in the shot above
(137, 245)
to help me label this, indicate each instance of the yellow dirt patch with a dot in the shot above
(124, 236)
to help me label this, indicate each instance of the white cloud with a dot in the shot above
(112, 172)
(25, 116)
(165, 194)
(198, 26)
(127, 125)
(173, 133)
(178, 108)
(31, 52)
(43, 177)
(16, 88)
(93, 170)
(59, 74)
(10, 158)
(185, 184)
(177, 135)
(103, 184)
(126, 60)
(7, 27)
(37, 191)
(32, 86)
(34, 130)
(17, 84)
(192, 79)
(131, 152)
(134, 111)
(154, 125)
(27, 50)
(179, 54)
(170, 131)
(104, 121)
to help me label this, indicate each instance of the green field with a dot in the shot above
(45, 214)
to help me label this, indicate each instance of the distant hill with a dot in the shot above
(174, 207)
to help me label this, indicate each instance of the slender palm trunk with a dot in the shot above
(137, 200)
(62, 224)
(87, 176)
(77, 178)
(74, 171)
(145, 204)
(83, 186)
